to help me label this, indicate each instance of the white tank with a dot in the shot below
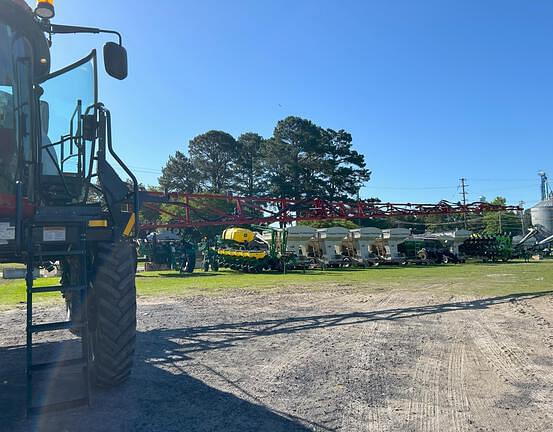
(542, 214)
(361, 240)
(299, 237)
(392, 238)
(331, 242)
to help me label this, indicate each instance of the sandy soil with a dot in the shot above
(336, 359)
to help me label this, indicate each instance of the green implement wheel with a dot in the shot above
(188, 263)
(215, 265)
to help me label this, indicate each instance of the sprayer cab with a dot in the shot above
(55, 135)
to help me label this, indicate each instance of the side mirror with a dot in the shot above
(115, 60)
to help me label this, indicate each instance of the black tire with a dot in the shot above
(215, 265)
(113, 314)
(189, 265)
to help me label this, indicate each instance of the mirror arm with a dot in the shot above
(66, 29)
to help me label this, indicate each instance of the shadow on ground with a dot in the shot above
(154, 399)
(225, 335)
(162, 397)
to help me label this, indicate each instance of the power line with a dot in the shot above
(499, 180)
(371, 186)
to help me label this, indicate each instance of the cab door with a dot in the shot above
(67, 105)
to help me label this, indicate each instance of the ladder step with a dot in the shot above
(60, 406)
(56, 288)
(38, 253)
(63, 325)
(58, 364)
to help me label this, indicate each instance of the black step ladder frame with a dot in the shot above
(79, 307)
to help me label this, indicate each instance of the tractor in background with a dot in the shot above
(167, 250)
(427, 251)
(208, 250)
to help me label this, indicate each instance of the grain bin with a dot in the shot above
(542, 214)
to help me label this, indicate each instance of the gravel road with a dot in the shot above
(333, 359)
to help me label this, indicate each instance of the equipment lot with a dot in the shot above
(449, 348)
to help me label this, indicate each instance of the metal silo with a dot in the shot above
(542, 214)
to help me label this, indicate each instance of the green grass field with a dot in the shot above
(471, 278)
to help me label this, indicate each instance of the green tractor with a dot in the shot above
(61, 201)
(208, 249)
(168, 250)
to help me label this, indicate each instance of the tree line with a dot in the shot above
(300, 160)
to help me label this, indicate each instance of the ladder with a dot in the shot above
(37, 254)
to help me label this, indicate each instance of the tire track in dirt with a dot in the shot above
(512, 356)
(275, 382)
(354, 412)
(542, 323)
(367, 411)
(498, 355)
(507, 359)
(329, 410)
(422, 414)
(320, 345)
(430, 392)
(298, 353)
(359, 412)
(304, 348)
(456, 391)
(543, 328)
(485, 414)
(440, 398)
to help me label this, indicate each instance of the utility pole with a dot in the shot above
(521, 205)
(358, 203)
(464, 195)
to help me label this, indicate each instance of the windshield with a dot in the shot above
(68, 95)
(66, 98)
(15, 106)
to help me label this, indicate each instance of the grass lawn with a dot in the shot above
(471, 278)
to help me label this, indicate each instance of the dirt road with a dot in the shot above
(337, 359)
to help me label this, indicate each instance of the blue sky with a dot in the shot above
(431, 90)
